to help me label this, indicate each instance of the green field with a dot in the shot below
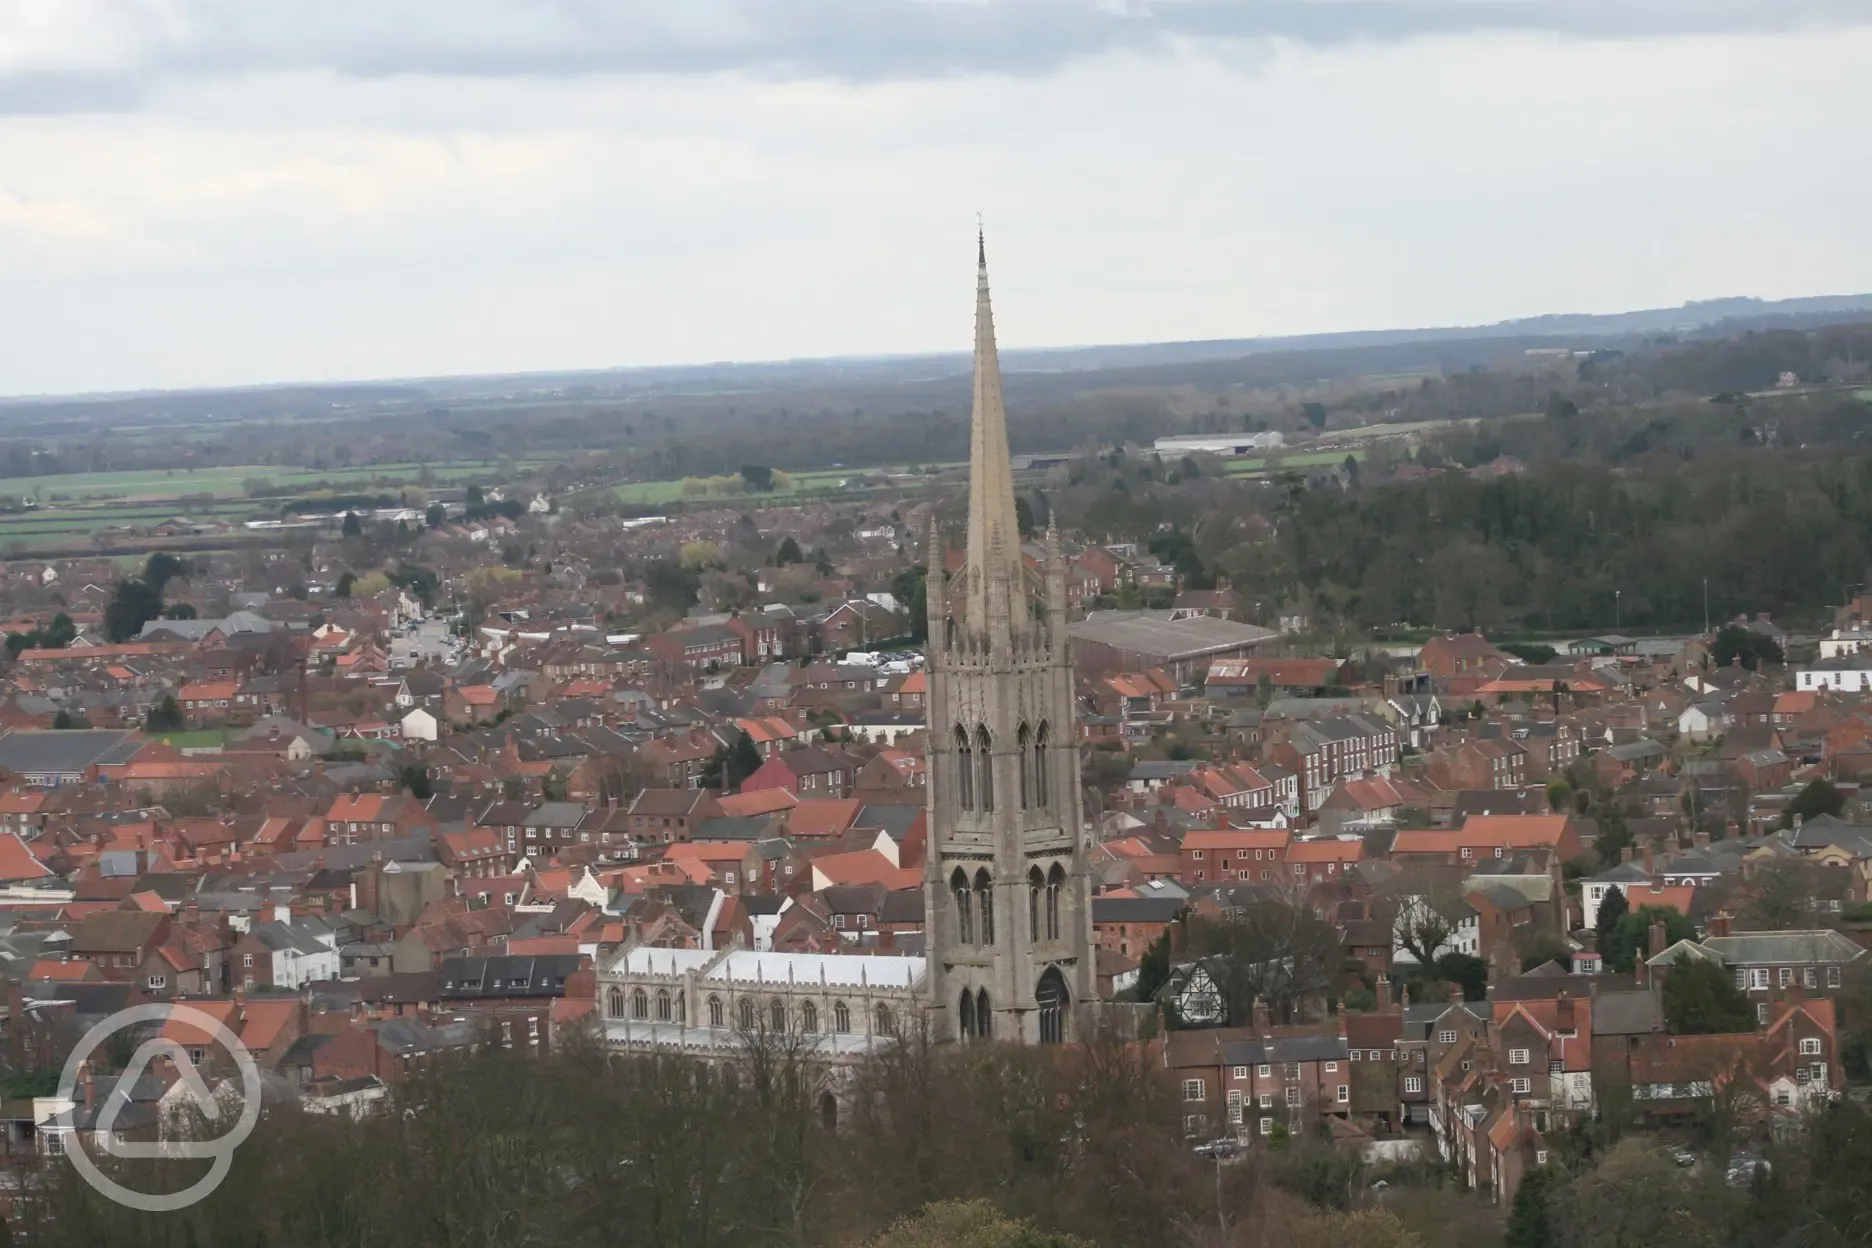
(656, 493)
(227, 482)
(1274, 463)
(200, 739)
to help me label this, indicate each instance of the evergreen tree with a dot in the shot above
(1630, 940)
(1154, 968)
(64, 720)
(1531, 1223)
(353, 527)
(743, 761)
(1818, 798)
(715, 769)
(345, 582)
(134, 602)
(1613, 907)
(788, 553)
(1701, 999)
(165, 716)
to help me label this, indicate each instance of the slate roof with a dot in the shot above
(506, 976)
(70, 752)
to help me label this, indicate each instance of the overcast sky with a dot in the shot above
(229, 191)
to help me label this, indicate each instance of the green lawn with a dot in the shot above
(1313, 459)
(200, 739)
(226, 482)
(654, 493)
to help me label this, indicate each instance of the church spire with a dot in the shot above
(994, 541)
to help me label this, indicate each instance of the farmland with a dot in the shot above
(1277, 463)
(658, 493)
(229, 482)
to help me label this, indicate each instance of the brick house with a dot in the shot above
(667, 815)
(356, 817)
(808, 771)
(121, 942)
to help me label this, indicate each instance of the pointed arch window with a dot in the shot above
(984, 750)
(984, 1018)
(841, 1017)
(1036, 885)
(715, 1012)
(808, 1017)
(746, 1012)
(1023, 746)
(682, 1012)
(1052, 998)
(776, 1014)
(884, 1020)
(965, 1015)
(965, 770)
(663, 1006)
(984, 906)
(1042, 782)
(640, 1004)
(964, 908)
(1056, 881)
(614, 1002)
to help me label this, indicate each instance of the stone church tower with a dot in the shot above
(1007, 911)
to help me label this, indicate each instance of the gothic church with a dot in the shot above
(1008, 921)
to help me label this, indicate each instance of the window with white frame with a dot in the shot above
(1267, 1126)
(1192, 1089)
(1332, 1068)
(1556, 1068)
(1819, 1072)
(1833, 976)
(1785, 976)
(1810, 1047)
(1523, 1086)
(1446, 1037)
(1265, 1100)
(1808, 978)
(1263, 1070)
(1293, 1096)
(1353, 1055)
(1345, 1093)
(1517, 1057)
(1194, 1124)
(1758, 978)
(1761, 1012)
(1240, 1072)
(1413, 1084)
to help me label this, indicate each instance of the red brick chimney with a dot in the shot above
(1563, 1012)
(1383, 992)
(1647, 860)
(1656, 945)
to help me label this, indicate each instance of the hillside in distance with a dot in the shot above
(1301, 357)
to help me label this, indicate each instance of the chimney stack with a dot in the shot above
(1657, 939)
(1647, 860)
(1624, 855)
(1563, 1012)
(1384, 992)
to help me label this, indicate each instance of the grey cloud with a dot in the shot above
(853, 40)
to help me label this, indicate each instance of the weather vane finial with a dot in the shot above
(981, 242)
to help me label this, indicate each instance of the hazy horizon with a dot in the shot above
(211, 193)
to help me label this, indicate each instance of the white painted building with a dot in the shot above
(714, 1001)
(1852, 674)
